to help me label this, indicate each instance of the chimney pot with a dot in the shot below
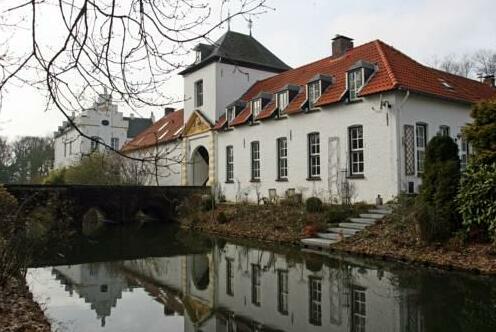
(168, 110)
(341, 44)
(489, 80)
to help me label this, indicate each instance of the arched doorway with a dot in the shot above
(198, 167)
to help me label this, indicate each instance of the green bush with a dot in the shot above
(477, 198)
(437, 216)
(208, 202)
(313, 204)
(222, 218)
(57, 176)
(481, 133)
(338, 213)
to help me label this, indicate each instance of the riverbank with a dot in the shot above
(387, 239)
(18, 310)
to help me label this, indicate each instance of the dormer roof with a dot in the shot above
(238, 49)
(393, 70)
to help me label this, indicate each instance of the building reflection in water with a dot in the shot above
(235, 288)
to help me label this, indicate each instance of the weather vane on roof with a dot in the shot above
(250, 24)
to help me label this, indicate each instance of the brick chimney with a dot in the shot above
(489, 80)
(341, 44)
(168, 110)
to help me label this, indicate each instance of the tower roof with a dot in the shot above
(238, 49)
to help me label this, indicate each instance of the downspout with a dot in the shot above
(398, 139)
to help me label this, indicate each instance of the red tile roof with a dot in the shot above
(395, 70)
(166, 129)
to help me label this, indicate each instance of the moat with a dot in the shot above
(159, 278)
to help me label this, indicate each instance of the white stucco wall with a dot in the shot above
(90, 123)
(330, 122)
(167, 168)
(222, 84)
(434, 112)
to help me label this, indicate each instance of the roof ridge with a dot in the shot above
(379, 43)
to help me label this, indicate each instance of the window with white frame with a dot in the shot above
(358, 309)
(229, 164)
(230, 276)
(444, 130)
(421, 143)
(355, 135)
(65, 149)
(355, 82)
(70, 147)
(114, 143)
(313, 155)
(313, 93)
(95, 142)
(199, 93)
(282, 291)
(256, 284)
(231, 114)
(256, 106)
(255, 161)
(315, 292)
(282, 158)
(282, 100)
(198, 56)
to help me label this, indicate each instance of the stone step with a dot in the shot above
(332, 236)
(366, 221)
(344, 231)
(380, 211)
(317, 242)
(352, 225)
(375, 216)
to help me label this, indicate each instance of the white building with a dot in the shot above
(103, 123)
(351, 126)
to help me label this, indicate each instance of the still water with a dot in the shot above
(162, 279)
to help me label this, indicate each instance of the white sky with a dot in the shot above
(300, 31)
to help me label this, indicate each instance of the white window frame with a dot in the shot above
(444, 130)
(229, 163)
(313, 155)
(315, 299)
(114, 143)
(314, 91)
(255, 160)
(282, 158)
(355, 83)
(95, 143)
(358, 309)
(282, 100)
(65, 149)
(198, 56)
(464, 153)
(420, 145)
(282, 291)
(256, 107)
(356, 142)
(256, 284)
(230, 114)
(199, 93)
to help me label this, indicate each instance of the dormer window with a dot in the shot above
(256, 106)
(282, 100)
(198, 56)
(358, 74)
(355, 83)
(314, 92)
(231, 114)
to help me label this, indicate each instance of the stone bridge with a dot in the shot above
(119, 204)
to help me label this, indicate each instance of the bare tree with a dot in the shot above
(458, 65)
(485, 62)
(75, 48)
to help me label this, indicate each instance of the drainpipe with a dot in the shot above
(398, 138)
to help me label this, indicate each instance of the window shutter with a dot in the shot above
(409, 143)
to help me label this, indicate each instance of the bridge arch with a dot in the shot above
(198, 167)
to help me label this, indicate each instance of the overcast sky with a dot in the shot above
(300, 31)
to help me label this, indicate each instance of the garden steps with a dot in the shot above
(318, 243)
(346, 228)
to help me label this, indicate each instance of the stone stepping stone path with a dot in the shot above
(345, 229)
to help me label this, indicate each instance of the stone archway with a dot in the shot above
(198, 168)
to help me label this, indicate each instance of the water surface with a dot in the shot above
(162, 279)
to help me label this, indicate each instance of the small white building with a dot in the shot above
(103, 123)
(351, 126)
